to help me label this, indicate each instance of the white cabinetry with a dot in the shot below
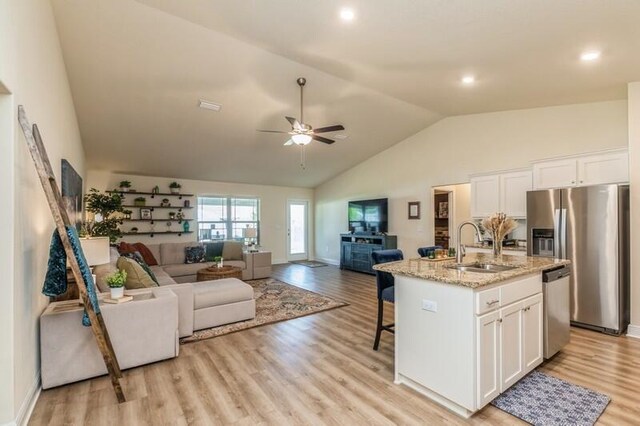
(593, 169)
(488, 332)
(532, 332)
(506, 192)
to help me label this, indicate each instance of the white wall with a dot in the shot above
(451, 150)
(273, 202)
(634, 189)
(33, 71)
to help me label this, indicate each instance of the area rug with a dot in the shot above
(541, 399)
(275, 301)
(309, 263)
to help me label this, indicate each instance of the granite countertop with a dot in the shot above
(436, 271)
(504, 248)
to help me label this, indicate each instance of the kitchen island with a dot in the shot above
(466, 333)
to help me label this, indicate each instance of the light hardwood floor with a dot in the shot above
(318, 369)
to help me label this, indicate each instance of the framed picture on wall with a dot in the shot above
(443, 210)
(414, 209)
(145, 214)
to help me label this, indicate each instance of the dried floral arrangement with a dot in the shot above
(498, 225)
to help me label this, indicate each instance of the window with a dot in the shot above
(224, 218)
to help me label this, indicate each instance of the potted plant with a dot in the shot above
(175, 187)
(219, 261)
(125, 185)
(139, 201)
(107, 214)
(116, 282)
(165, 203)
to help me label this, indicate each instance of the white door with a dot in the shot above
(532, 332)
(488, 368)
(511, 344)
(513, 193)
(603, 168)
(555, 174)
(485, 196)
(297, 230)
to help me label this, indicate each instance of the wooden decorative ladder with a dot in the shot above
(61, 218)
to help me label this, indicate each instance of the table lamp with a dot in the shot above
(250, 234)
(96, 251)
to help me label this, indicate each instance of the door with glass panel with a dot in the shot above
(297, 229)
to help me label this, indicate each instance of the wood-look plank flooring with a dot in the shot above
(318, 369)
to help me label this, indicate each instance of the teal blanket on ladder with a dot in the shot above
(55, 283)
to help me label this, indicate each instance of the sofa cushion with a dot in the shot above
(172, 253)
(213, 250)
(147, 254)
(126, 248)
(155, 251)
(140, 261)
(136, 276)
(182, 269)
(162, 276)
(232, 250)
(220, 292)
(194, 254)
(102, 272)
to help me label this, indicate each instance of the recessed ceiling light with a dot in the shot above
(347, 14)
(589, 56)
(468, 79)
(209, 105)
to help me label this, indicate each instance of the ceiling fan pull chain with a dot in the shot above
(303, 165)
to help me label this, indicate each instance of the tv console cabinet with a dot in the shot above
(355, 250)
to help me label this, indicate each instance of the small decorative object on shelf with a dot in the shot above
(180, 216)
(175, 187)
(155, 190)
(134, 230)
(125, 185)
(498, 225)
(165, 203)
(219, 261)
(127, 214)
(116, 282)
(172, 215)
(185, 226)
(187, 203)
(140, 201)
(145, 214)
(169, 225)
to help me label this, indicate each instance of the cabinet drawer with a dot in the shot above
(487, 300)
(360, 248)
(519, 290)
(361, 257)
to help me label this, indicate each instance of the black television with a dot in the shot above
(368, 216)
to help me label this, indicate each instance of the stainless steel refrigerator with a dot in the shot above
(589, 226)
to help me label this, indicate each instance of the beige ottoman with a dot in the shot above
(221, 302)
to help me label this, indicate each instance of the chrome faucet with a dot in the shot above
(460, 250)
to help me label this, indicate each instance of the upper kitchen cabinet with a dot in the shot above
(505, 192)
(583, 170)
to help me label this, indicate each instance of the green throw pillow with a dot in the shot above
(136, 276)
(213, 250)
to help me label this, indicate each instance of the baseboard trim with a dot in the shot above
(29, 403)
(329, 261)
(633, 331)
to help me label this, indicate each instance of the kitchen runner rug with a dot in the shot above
(543, 400)
(275, 301)
(309, 263)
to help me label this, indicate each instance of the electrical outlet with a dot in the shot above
(429, 305)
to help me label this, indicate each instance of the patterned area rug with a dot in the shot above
(309, 263)
(541, 399)
(275, 301)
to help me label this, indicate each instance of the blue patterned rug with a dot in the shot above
(541, 399)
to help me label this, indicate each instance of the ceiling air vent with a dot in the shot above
(209, 105)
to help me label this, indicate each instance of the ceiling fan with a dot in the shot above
(302, 133)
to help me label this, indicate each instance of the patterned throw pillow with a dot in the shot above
(194, 254)
(140, 260)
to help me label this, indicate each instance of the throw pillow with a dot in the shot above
(102, 272)
(232, 250)
(126, 248)
(194, 254)
(140, 260)
(147, 255)
(136, 276)
(213, 250)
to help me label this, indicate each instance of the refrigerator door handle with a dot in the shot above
(556, 234)
(563, 233)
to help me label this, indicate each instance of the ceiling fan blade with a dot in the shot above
(321, 139)
(271, 131)
(329, 129)
(295, 123)
(289, 142)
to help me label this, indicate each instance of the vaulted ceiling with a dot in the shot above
(138, 68)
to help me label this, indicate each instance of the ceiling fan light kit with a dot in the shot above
(301, 133)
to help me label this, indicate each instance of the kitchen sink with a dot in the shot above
(483, 268)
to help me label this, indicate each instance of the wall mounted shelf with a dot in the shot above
(151, 234)
(156, 207)
(152, 194)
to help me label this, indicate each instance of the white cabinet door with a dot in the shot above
(513, 193)
(555, 174)
(485, 195)
(532, 332)
(511, 345)
(488, 367)
(603, 168)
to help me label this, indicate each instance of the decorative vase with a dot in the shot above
(497, 247)
(175, 190)
(123, 189)
(185, 226)
(117, 292)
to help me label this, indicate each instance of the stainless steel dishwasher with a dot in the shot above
(557, 309)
